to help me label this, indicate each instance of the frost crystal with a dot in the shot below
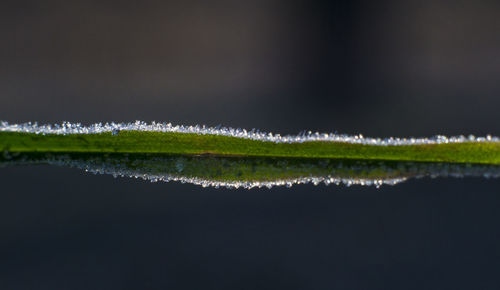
(115, 128)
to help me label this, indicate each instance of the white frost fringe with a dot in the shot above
(77, 128)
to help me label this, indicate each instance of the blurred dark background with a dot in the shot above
(381, 68)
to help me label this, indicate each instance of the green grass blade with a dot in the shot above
(194, 144)
(234, 158)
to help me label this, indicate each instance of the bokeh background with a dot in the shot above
(381, 68)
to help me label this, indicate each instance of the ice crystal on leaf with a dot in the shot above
(115, 128)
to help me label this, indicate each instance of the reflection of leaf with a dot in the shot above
(251, 172)
(231, 157)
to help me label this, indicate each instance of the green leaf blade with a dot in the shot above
(487, 152)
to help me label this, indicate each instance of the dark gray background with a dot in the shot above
(381, 68)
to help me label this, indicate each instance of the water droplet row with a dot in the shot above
(77, 128)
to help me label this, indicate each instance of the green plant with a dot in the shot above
(227, 155)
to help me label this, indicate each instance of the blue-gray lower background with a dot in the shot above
(380, 68)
